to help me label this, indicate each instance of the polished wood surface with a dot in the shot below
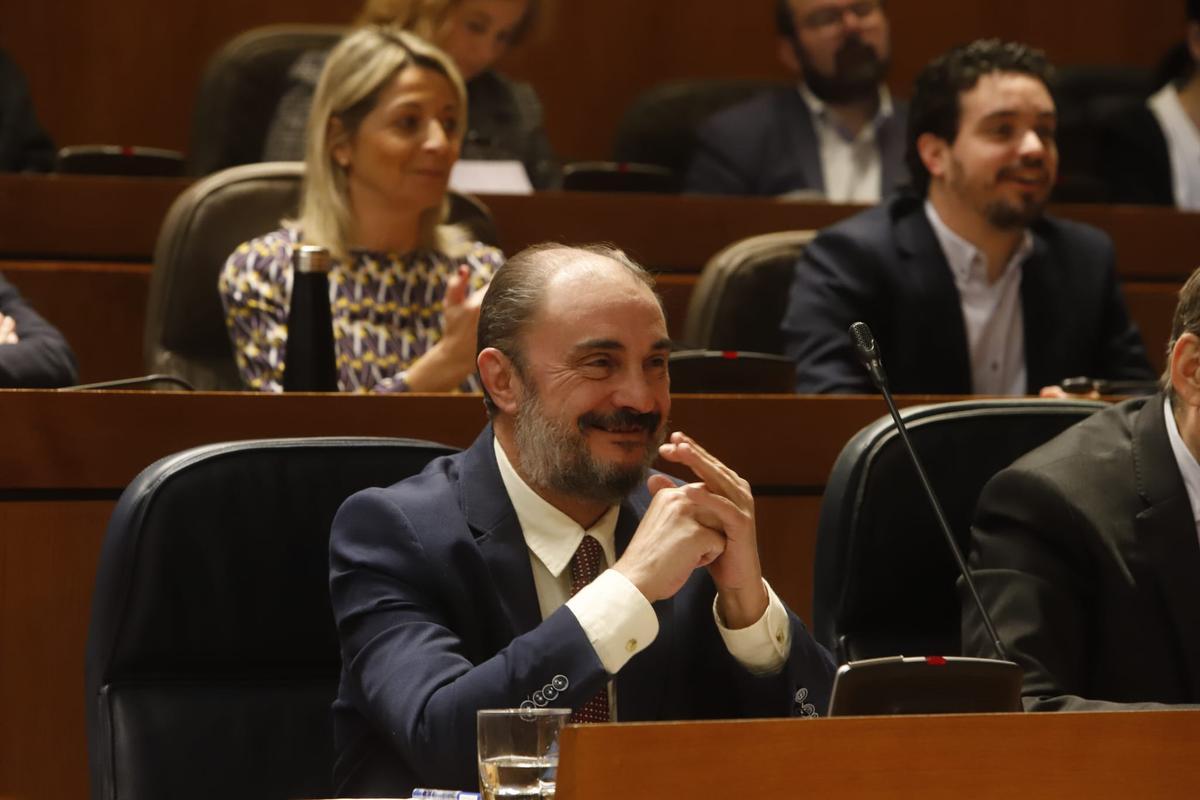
(68, 455)
(65, 217)
(96, 76)
(66, 240)
(1064, 756)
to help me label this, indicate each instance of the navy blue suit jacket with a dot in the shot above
(886, 267)
(438, 617)
(41, 357)
(767, 146)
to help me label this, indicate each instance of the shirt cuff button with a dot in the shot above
(631, 645)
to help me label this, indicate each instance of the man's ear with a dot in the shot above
(935, 154)
(340, 146)
(1185, 369)
(499, 377)
(786, 50)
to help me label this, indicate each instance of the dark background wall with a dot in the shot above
(126, 71)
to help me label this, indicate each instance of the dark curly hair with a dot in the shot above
(935, 104)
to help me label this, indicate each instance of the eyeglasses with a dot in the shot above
(825, 19)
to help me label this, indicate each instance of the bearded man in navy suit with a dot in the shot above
(459, 589)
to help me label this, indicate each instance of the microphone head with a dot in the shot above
(864, 342)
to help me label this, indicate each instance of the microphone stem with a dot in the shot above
(945, 526)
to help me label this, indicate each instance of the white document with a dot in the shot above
(490, 177)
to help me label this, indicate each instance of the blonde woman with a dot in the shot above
(506, 116)
(385, 129)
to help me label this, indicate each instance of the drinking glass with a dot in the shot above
(518, 752)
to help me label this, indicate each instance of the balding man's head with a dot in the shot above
(516, 293)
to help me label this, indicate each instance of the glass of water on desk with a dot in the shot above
(518, 752)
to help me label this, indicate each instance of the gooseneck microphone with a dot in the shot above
(868, 353)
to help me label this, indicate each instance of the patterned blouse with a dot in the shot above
(387, 310)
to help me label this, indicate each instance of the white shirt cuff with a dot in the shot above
(762, 648)
(617, 618)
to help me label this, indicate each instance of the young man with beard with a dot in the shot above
(967, 285)
(481, 583)
(837, 134)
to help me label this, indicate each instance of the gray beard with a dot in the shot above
(554, 456)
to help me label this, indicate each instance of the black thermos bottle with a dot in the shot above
(310, 365)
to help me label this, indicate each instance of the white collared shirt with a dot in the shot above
(617, 618)
(1183, 146)
(992, 313)
(851, 165)
(1188, 467)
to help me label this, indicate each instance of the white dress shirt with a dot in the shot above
(618, 619)
(1183, 145)
(1188, 468)
(851, 164)
(992, 313)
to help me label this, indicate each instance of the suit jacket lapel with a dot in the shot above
(890, 138)
(1042, 309)
(807, 151)
(640, 683)
(1167, 531)
(498, 535)
(928, 276)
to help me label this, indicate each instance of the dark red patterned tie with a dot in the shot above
(585, 566)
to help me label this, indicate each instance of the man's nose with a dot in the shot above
(1032, 147)
(636, 392)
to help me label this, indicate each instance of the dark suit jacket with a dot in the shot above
(767, 146)
(41, 357)
(886, 268)
(1134, 161)
(438, 617)
(24, 145)
(1087, 558)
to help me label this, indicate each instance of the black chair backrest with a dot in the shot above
(659, 127)
(611, 176)
(1086, 96)
(240, 89)
(212, 657)
(185, 332)
(884, 578)
(742, 294)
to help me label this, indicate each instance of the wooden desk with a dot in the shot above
(68, 217)
(53, 223)
(1065, 756)
(67, 456)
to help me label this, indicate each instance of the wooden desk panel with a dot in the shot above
(1066, 756)
(117, 219)
(68, 455)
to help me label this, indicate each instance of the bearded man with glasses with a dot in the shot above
(837, 133)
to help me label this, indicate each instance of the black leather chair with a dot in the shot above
(212, 658)
(659, 127)
(240, 89)
(1086, 97)
(742, 294)
(611, 176)
(884, 578)
(185, 333)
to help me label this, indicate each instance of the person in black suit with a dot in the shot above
(33, 354)
(462, 588)
(837, 134)
(1087, 554)
(967, 285)
(24, 145)
(1150, 153)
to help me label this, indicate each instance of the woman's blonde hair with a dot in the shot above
(355, 73)
(425, 17)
